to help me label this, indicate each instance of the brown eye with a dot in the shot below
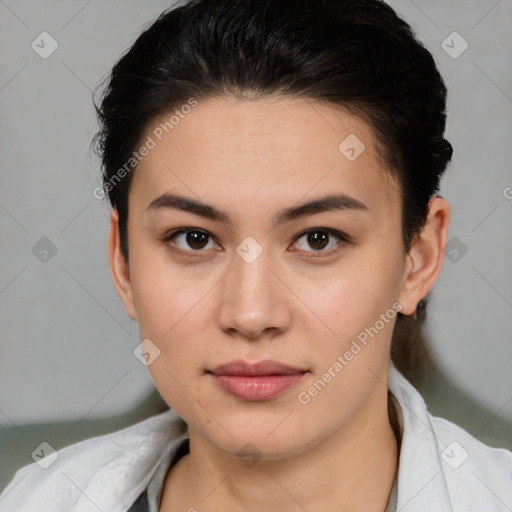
(318, 239)
(190, 238)
(196, 239)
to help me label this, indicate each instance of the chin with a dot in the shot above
(271, 440)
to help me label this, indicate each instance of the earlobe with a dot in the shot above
(425, 257)
(119, 268)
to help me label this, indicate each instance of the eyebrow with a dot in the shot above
(327, 203)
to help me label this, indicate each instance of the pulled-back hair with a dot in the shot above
(355, 54)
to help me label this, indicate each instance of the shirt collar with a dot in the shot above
(421, 484)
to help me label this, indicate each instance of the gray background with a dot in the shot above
(66, 352)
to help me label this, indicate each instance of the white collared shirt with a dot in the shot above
(442, 468)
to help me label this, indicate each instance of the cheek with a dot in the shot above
(351, 298)
(166, 296)
(173, 313)
(176, 311)
(359, 309)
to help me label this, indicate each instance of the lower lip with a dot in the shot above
(256, 388)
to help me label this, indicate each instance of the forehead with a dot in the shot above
(274, 150)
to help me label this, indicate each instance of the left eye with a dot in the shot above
(319, 239)
(196, 239)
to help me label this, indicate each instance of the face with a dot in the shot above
(227, 262)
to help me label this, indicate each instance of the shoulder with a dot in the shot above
(108, 471)
(472, 468)
(442, 466)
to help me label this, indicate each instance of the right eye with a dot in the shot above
(184, 239)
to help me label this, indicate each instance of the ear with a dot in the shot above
(425, 256)
(119, 267)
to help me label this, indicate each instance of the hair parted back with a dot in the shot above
(355, 54)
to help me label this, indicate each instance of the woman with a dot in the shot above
(273, 168)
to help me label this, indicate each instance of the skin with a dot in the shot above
(293, 304)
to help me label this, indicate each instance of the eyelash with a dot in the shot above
(343, 240)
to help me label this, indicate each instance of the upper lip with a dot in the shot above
(266, 367)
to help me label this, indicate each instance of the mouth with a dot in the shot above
(255, 382)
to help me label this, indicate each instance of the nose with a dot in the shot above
(254, 300)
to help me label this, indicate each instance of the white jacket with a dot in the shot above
(442, 468)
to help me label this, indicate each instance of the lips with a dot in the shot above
(256, 382)
(266, 367)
